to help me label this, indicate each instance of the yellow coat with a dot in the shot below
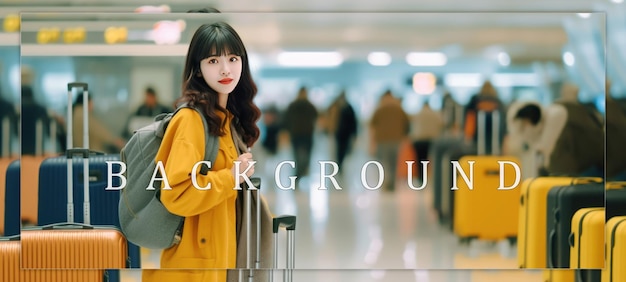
(208, 239)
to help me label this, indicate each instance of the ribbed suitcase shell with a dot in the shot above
(531, 240)
(103, 203)
(10, 269)
(62, 275)
(102, 247)
(9, 260)
(486, 212)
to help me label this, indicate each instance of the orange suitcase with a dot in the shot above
(10, 258)
(10, 267)
(531, 240)
(406, 153)
(74, 245)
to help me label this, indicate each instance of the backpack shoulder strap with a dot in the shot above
(211, 142)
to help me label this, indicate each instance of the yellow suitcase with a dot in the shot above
(531, 241)
(485, 212)
(615, 269)
(559, 275)
(587, 239)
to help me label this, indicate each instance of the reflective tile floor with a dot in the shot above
(356, 234)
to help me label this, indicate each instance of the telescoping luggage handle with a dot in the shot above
(82, 151)
(289, 223)
(256, 186)
(285, 221)
(495, 133)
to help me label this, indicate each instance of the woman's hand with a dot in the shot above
(244, 161)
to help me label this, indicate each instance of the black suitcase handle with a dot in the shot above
(10, 238)
(85, 153)
(76, 84)
(66, 225)
(287, 221)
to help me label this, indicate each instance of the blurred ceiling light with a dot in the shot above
(569, 59)
(584, 15)
(424, 83)
(310, 59)
(514, 79)
(431, 59)
(504, 59)
(379, 58)
(463, 79)
(617, 1)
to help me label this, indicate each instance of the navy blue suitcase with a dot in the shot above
(104, 203)
(12, 200)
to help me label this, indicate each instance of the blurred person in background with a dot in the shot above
(300, 119)
(486, 101)
(389, 126)
(450, 111)
(615, 138)
(8, 117)
(145, 112)
(426, 126)
(151, 106)
(343, 125)
(566, 136)
(272, 121)
(33, 114)
(100, 137)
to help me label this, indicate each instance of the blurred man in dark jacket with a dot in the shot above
(300, 120)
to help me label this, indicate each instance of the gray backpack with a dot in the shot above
(143, 218)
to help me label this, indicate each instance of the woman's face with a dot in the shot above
(221, 73)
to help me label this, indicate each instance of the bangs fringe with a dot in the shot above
(222, 43)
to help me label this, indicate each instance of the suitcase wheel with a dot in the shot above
(512, 241)
(467, 240)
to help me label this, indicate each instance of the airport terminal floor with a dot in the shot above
(356, 234)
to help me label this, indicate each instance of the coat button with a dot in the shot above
(202, 240)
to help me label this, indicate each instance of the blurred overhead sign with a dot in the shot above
(113, 35)
(12, 23)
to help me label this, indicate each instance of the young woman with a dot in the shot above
(216, 79)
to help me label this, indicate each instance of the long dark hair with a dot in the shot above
(220, 38)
